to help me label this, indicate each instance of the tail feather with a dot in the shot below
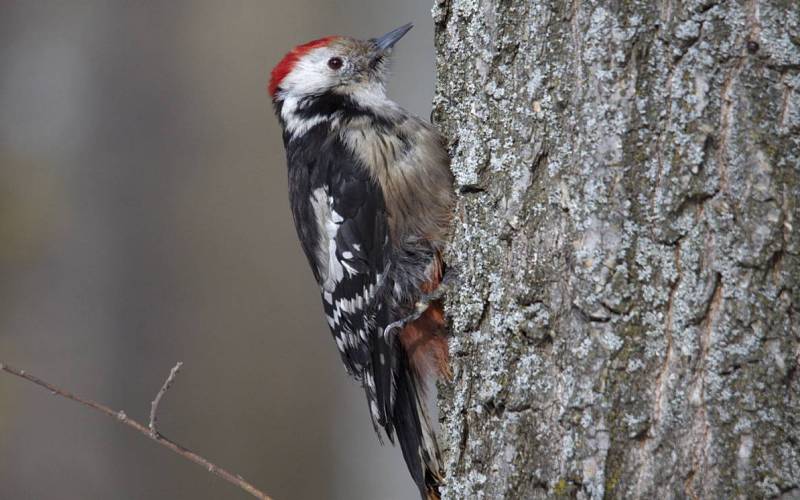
(401, 368)
(415, 434)
(424, 359)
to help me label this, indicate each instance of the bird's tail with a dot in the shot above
(403, 366)
(415, 434)
(423, 359)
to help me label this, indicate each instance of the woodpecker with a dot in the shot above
(371, 194)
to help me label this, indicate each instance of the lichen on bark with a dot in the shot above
(626, 321)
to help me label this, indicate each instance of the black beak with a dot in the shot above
(387, 41)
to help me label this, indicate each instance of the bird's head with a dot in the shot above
(334, 64)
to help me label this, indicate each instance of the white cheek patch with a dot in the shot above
(310, 75)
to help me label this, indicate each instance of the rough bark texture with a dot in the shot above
(627, 323)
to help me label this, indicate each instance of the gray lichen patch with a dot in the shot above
(629, 175)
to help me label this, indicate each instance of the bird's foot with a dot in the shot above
(450, 280)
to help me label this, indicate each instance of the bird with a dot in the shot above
(371, 194)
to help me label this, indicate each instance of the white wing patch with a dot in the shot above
(331, 269)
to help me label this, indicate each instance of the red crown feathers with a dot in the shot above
(288, 62)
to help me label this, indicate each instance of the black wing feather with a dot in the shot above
(358, 303)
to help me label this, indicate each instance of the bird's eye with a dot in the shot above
(335, 62)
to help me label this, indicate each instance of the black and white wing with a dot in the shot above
(342, 223)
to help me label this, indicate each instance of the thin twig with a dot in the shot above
(164, 388)
(158, 438)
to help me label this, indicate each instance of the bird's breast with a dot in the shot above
(412, 168)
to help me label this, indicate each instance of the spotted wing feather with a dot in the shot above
(342, 223)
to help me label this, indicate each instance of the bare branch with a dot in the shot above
(120, 415)
(164, 388)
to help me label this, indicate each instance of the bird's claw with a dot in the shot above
(448, 281)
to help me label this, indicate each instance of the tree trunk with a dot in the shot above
(626, 324)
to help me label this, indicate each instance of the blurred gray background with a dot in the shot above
(144, 220)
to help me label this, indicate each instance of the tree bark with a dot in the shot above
(626, 324)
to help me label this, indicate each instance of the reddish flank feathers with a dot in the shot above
(286, 65)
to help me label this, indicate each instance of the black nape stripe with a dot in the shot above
(330, 103)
